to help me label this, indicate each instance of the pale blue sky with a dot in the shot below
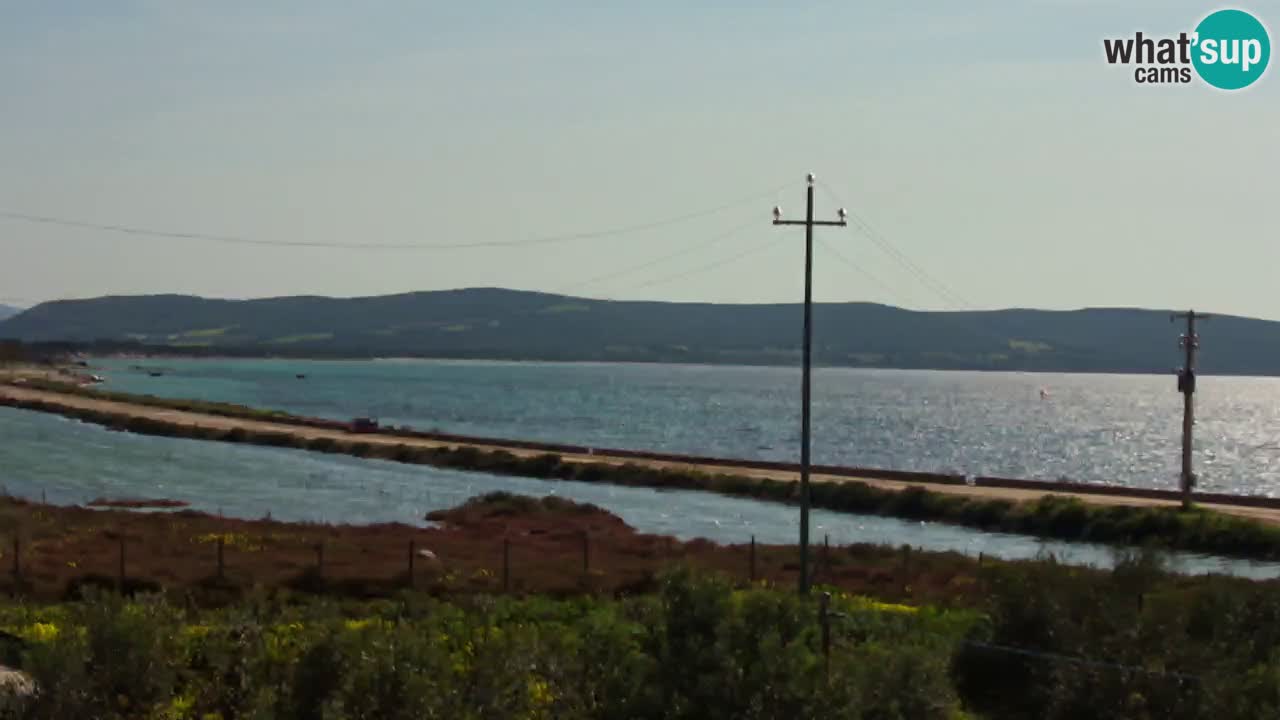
(988, 141)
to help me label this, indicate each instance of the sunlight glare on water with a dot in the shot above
(1113, 429)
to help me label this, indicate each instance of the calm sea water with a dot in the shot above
(1114, 429)
(65, 462)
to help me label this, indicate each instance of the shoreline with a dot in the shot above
(160, 352)
(1236, 530)
(170, 355)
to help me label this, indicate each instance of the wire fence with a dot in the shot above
(423, 567)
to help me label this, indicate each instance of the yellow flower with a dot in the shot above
(540, 694)
(42, 632)
(891, 607)
(195, 631)
(180, 707)
(235, 540)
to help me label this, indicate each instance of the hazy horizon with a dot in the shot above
(989, 144)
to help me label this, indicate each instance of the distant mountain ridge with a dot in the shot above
(7, 311)
(510, 324)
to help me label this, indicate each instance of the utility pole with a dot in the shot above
(808, 223)
(1190, 343)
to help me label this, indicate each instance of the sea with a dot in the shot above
(1113, 429)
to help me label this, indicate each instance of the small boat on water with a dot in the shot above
(155, 373)
(301, 376)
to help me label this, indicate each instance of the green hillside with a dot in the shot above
(495, 323)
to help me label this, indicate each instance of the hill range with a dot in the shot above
(510, 324)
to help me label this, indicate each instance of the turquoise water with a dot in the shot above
(65, 462)
(1114, 429)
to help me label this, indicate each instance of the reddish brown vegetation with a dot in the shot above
(136, 503)
(64, 548)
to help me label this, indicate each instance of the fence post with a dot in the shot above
(826, 555)
(120, 576)
(753, 558)
(221, 542)
(506, 565)
(413, 580)
(824, 618)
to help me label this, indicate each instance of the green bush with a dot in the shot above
(697, 649)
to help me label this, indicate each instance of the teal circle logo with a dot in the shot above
(1232, 49)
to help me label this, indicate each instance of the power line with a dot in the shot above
(1052, 657)
(861, 271)
(240, 240)
(1081, 661)
(938, 287)
(951, 298)
(715, 239)
(710, 266)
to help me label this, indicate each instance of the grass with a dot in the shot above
(1030, 346)
(300, 338)
(208, 332)
(562, 308)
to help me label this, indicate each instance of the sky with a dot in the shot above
(992, 157)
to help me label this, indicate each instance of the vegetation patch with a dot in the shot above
(1046, 641)
(561, 308)
(208, 332)
(300, 338)
(136, 503)
(505, 504)
(1030, 346)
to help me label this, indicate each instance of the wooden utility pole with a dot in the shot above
(808, 224)
(1189, 343)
